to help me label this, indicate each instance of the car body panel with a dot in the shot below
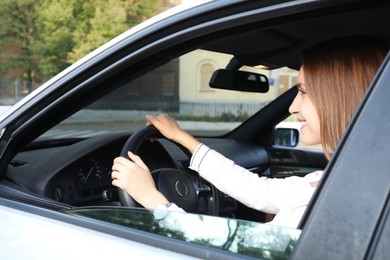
(28, 236)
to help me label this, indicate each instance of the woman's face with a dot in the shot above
(303, 107)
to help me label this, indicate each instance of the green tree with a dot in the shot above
(17, 19)
(52, 34)
(70, 29)
(55, 24)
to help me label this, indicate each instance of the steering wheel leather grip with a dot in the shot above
(133, 144)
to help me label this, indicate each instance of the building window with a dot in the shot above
(206, 71)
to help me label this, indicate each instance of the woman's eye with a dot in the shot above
(301, 90)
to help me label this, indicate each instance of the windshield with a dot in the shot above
(233, 235)
(181, 89)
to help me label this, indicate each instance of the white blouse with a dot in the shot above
(287, 198)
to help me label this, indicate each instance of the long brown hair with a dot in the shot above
(337, 74)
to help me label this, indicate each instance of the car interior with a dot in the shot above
(58, 162)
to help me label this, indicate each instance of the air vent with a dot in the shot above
(18, 163)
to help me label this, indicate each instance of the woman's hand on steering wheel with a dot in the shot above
(171, 130)
(166, 125)
(133, 176)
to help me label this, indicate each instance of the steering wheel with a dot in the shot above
(190, 192)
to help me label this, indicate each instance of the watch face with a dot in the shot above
(160, 211)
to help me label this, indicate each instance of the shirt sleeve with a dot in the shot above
(261, 193)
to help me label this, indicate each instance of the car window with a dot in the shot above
(180, 88)
(233, 235)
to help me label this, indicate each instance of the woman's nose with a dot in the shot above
(294, 107)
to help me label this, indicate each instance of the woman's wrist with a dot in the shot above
(187, 140)
(155, 199)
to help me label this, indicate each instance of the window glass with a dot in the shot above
(237, 236)
(181, 89)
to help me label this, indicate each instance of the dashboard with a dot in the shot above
(78, 173)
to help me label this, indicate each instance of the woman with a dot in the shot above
(331, 83)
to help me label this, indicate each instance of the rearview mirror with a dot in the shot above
(286, 137)
(239, 81)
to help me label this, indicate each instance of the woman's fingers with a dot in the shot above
(134, 177)
(137, 160)
(130, 174)
(119, 179)
(117, 183)
(122, 164)
(166, 124)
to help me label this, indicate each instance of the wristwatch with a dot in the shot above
(161, 211)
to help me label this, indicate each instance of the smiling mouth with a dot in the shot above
(303, 123)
